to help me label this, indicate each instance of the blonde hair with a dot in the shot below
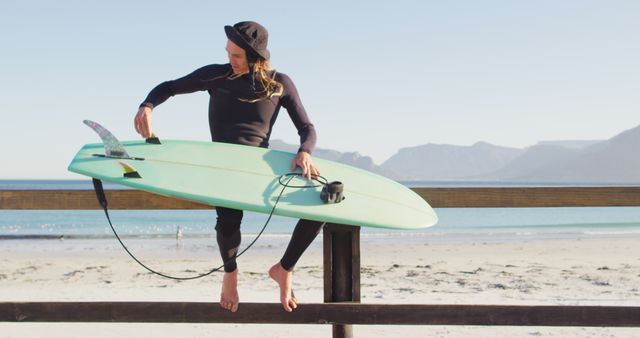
(270, 87)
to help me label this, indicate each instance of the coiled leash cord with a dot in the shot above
(336, 197)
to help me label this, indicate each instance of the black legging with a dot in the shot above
(228, 236)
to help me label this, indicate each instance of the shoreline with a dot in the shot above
(204, 245)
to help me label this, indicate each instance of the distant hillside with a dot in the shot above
(611, 161)
(448, 162)
(571, 144)
(533, 162)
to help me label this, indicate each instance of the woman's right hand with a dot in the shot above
(142, 122)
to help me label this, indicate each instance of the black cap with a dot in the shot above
(250, 36)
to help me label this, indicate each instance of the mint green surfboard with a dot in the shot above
(247, 178)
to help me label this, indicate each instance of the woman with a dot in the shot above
(245, 98)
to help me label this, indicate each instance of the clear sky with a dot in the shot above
(374, 76)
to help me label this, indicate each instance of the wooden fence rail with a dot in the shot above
(526, 197)
(327, 313)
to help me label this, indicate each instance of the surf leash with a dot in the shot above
(331, 193)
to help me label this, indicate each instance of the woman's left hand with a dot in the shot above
(303, 160)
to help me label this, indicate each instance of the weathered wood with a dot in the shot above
(341, 262)
(328, 313)
(526, 197)
(355, 263)
(86, 200)
(530, 197)
(327, 257)
(341, 269)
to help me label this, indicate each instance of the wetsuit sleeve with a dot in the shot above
(291, 101)
(200, 79)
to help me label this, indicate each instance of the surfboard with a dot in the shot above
(249, 178)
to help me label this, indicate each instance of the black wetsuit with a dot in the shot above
(240, 113)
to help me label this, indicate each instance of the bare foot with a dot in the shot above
(283, 278)
(229, 295)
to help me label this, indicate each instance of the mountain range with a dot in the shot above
(591, 161)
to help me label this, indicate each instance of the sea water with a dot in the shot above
(455, 224)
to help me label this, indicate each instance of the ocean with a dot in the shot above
(455, 224)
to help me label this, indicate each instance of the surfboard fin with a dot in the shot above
(129, 170)
(112, 147)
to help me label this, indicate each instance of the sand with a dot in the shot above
(568, 272)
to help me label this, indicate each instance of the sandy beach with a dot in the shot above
(569, 272)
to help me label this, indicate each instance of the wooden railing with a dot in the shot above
(526, 197)
(326, 313)
(341, 245)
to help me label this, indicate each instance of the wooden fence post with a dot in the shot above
(341, 245)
